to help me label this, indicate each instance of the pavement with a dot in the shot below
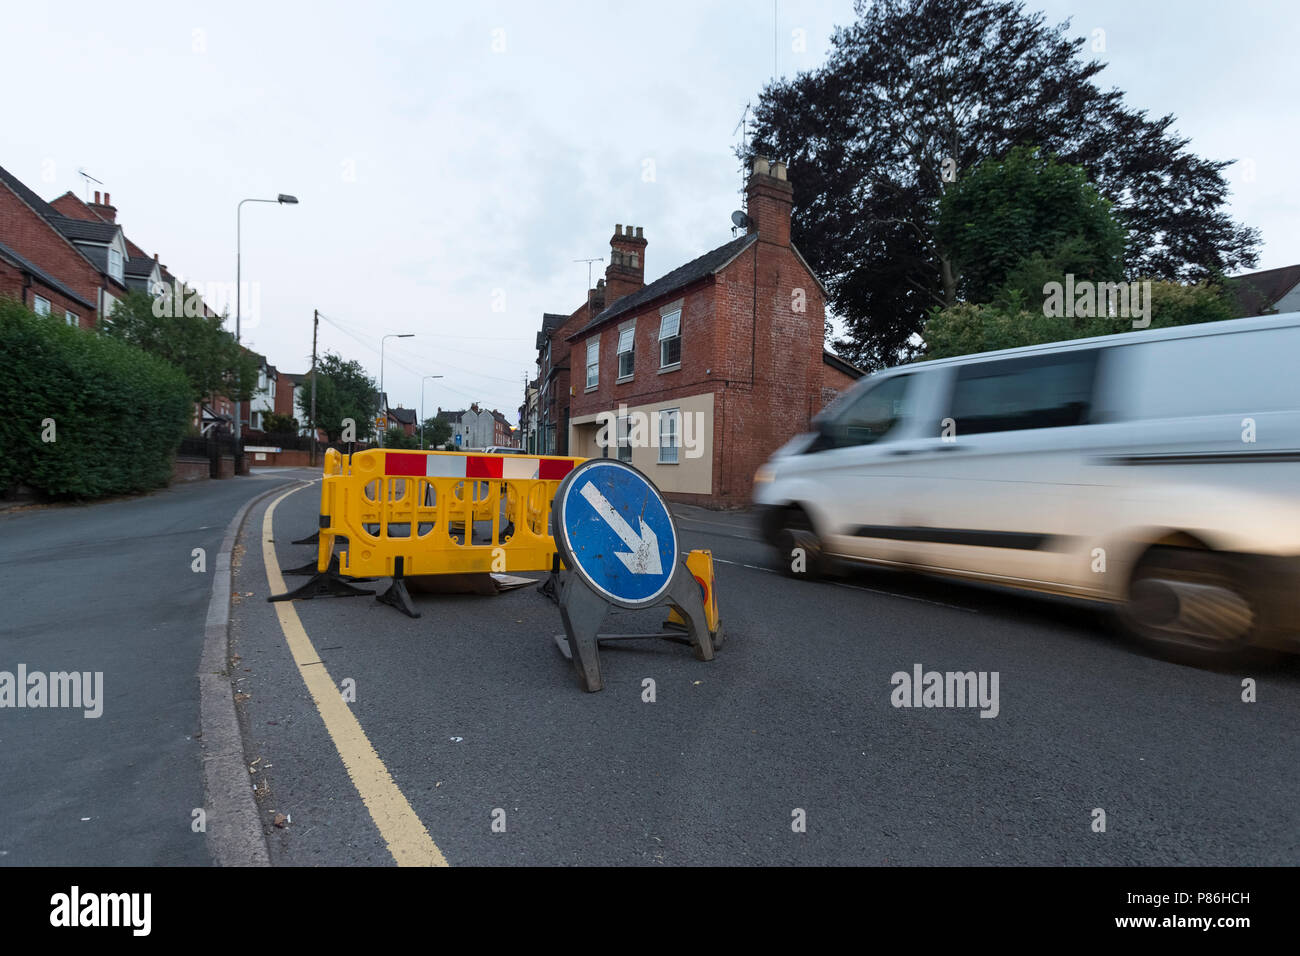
(473, 744)
(111, 588)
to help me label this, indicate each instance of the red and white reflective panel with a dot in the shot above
(433, 465)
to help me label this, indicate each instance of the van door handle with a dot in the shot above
(900, 451)
(953, 446)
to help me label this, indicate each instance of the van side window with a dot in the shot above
(1037, 391)
(870, 416)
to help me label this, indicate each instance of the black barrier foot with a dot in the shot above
(327, 583)
(308, 568)
(313, 538)
(397, 595)
(550, 586)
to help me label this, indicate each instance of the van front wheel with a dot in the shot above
(1189, 605)
(798, 549)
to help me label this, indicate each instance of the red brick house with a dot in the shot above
(704, 372)
(553, 373)
(55, 264)
(403, 418)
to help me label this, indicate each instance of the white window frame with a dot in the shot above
(628, 335)
(593, 367)
(40, 304)
(623, 440)
(72, 318)
(676, 325)
(673, 416)
(116, 263)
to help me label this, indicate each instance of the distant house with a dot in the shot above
(503, 433)
(403, 418)
(474, 427)
(528, 419)
(1268, 292)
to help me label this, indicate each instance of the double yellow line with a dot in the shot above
(406, 837)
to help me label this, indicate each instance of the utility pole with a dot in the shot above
(315, 324)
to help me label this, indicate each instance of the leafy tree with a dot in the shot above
(1010, 322)
(1003, 211)
(280, 424)
(914, 83)
(196, 344)
(437, 432)
(397, 438)
(344, 390)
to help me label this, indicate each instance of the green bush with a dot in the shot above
(1009, 322)
(397, 438)
(118, 413)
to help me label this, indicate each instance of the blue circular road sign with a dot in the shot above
(614, 529)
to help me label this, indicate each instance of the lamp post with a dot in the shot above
(383, 398)
(422, 381)
(282, 199)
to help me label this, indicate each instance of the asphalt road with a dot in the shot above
(110, 588)
(473, 711)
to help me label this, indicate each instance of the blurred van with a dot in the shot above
(1156, 470)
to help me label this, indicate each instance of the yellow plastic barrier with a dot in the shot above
(333, 467)
(407, 513)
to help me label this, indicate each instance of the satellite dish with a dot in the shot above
(740, 220)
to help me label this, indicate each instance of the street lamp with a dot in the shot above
(282, 199)
(422, 408)
(382, 397)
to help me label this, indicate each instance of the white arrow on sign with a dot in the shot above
(644, 556)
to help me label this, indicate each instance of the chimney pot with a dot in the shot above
(107, 201)
(779, 170)
(638, 232)
(761, 165)
(96, 197)
(618, 229)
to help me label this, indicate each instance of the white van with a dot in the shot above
(1156, 470)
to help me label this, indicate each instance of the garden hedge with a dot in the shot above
(118, 413)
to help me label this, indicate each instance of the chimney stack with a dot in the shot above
(104, 210)
(626, 271)
(770, 198)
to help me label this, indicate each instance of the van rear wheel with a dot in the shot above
(1189, 605)
(798, 549)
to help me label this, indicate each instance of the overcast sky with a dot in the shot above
(452, 160)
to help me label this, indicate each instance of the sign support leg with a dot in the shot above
(684, 595)
(582, 610)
